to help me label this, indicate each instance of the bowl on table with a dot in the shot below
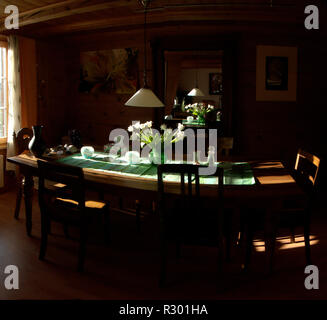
(87, 152)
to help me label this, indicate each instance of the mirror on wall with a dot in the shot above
(185, 70)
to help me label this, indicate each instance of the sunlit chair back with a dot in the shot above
(307, 168)
(22, 139)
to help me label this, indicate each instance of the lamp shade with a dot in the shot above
(196, 92)
(144, 98)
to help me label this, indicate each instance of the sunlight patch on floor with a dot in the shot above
(284, 243)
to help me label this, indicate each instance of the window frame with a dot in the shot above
(4, 44)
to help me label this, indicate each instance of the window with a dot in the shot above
(3, 91)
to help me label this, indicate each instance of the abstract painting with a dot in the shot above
(109, 71)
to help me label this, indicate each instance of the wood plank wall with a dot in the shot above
(267, 129)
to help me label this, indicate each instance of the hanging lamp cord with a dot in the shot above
(145, 82)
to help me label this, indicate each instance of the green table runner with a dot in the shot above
(235, 173)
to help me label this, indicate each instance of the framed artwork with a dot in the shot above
(215, 83)
(276, 73)
(109, 71)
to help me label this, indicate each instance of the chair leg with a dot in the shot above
(106, 217)
(163, 252)
(153, 207)
(240, 236)
(178, 232)
(307, 237)
(28, 197)
(138, 215)
(82, 248)
(18, 199)
(66, 232)
(270, 252)
(248, 247)
(220, 281)
(292, 231)
(44, 236)
(228, 236)
(163, 265)
(270, 239)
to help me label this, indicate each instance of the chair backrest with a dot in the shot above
(190, 171)
(225, 144)
(183, 170)
(307, 167)
(22, 139)
(72, 177)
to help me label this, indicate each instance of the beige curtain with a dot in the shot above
(14, 86)
(27, 49)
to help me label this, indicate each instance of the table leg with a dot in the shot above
(28, 197)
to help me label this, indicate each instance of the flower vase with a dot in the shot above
(201, 119)
(37, 145)
(156, 157)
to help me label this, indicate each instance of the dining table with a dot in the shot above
(264, 184)
(251, 181)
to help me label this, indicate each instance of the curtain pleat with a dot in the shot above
(14, 86)
(28, 80)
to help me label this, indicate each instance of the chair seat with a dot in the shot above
(54, 185)
(89, 204)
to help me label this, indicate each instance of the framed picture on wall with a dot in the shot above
(215, 83)
(276, 73)
(109, 71)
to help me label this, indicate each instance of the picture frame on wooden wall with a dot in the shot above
(109, 71)
(215, 83)
(276, 73)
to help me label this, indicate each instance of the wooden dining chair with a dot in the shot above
(21, 141)
(184, 220)
(75, 210)
(305, 174)
(225, 145)
(294, 214)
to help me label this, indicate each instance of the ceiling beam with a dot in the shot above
(40, 15)
(168, 16)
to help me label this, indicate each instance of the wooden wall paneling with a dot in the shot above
(95, 115)
(277, 129)
(53, 93)
(269, 129)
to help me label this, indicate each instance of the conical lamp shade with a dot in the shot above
(144, 98)
(196, 92)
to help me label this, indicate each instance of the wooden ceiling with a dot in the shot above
(43, 18)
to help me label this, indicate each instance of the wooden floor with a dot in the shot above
(128, 269)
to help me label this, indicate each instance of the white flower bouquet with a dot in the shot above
(144, 133)
(199, 109)
(147, 135)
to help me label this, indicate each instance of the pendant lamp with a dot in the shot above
(196, 92)
(145, 96)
